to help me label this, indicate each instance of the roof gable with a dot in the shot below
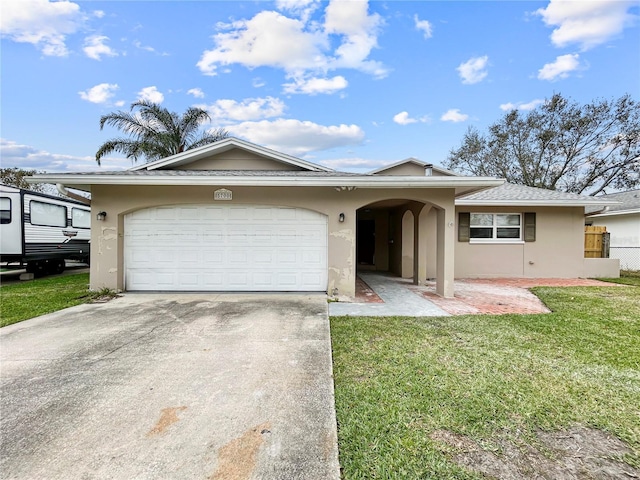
(203, 158)
(412, 167)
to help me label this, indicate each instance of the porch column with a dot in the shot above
(419, 251)
(445, 251)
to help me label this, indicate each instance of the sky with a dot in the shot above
(349, 84)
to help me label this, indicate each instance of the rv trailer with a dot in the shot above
(40, 231)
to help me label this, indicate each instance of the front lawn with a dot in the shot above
(455, 397)
(44, 295)
(627, 277)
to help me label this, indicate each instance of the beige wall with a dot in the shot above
(557, 252)
(107, 237)
(236, 159)
(411, 169)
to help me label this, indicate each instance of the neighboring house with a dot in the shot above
(623, 224)
(235, 216)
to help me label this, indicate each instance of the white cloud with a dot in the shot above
(138, 44)
(300, 8)
(151, 94)
(268, 39)
(507, 107)
(98, 13)
(561, 68)
(227, 111)
(403, 118)
(100, 93)
(299, 47)
(454, 115)
(42, 23)
(359, 32)
(313, 86)
(30, 158)
(586, 23)
(94, 47)
(424, 26)
(473, 70)
(196, 92)
(298, 137)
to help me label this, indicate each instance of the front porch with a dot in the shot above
(407, 238)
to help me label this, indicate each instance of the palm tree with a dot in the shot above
(155, 132)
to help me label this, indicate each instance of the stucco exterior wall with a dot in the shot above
(107, 237)
(411, 169)
(558, 251)
(236, 159)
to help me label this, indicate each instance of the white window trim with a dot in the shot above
(494, 240)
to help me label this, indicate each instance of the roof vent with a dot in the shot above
(428, 170)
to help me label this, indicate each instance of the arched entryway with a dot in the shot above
(397, 236)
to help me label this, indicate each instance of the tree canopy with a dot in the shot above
(154, 132)
(16, 177)
(559, 145)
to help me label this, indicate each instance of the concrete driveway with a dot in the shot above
(148, 386)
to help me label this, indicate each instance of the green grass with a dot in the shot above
(31, 299)
(627, 277)
(398, 380)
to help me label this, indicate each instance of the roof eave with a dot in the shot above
(474, 183)
(615, 212)
(528, 203)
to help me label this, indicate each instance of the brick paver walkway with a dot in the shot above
(484, 296)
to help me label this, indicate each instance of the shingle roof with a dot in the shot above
(220, 173)
(629, 200)
(510, 193)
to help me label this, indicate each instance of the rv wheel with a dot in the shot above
(57, 266)
(37, 268)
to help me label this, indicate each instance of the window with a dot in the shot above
(80, 218)
(495, 226)
(5, 210)
(48, 214)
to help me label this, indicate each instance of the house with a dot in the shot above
(235, 216)
(623, 224)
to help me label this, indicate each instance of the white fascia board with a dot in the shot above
(617, 212)
(530, 203)
(275, 181)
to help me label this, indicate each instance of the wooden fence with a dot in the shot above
(596, 242)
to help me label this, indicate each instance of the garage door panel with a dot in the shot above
(226, 248)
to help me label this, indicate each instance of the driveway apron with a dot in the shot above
(148, 386)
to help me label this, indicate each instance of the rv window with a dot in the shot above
(80, 218)
(47, 214)
(5, 210)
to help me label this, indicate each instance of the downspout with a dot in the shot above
(65, 191)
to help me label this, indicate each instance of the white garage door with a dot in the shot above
(225, 248)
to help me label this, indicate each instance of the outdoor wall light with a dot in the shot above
(101, 216)
(341, 217)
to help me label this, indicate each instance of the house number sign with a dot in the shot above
(223, 194)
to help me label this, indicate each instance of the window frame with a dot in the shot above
(31, 202)
(494, 228)
(73, 218)
(10, 218)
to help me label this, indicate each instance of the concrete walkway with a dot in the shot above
(171, 386)
(398, 301)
